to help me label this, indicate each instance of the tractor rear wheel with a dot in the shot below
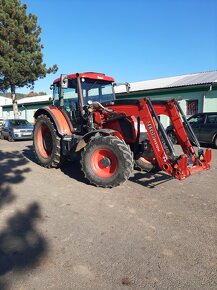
(46, 143)
(107, 161)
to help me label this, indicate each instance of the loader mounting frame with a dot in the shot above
(147, 111)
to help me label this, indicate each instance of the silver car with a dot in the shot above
(16, 129)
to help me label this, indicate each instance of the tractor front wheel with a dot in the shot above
(107, 161)
(46, 143)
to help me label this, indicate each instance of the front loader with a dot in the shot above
(86, 121)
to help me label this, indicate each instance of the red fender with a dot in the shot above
(60, 118)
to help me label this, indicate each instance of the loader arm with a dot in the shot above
(178, 166)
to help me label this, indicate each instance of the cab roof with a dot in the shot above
(89, 75)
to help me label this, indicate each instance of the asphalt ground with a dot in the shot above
(59, 232)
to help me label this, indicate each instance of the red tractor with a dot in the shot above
(85, 120)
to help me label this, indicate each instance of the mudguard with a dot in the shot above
(106, 132)
(59, 117)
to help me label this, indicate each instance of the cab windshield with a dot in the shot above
(96, 91)
(93, 90)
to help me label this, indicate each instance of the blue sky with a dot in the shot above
(131, 40)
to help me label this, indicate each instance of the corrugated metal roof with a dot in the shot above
(36, 99)
(4, 101)
(172, 82)
(29, 100)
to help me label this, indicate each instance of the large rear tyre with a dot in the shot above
(46, 143)
(107, 161)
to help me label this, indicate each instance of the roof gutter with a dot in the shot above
(208, 86)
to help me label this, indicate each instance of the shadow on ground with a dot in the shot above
(21, 246)
(28, 152)
(10, 173)
(150, 180)
(73, 170)
(69, 168)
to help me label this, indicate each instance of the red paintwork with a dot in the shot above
(179, 169)
(110, 120)
(89, 75)
(64, 127)
(97, 165)
(97, 119)
(115, 125)
(103, 120)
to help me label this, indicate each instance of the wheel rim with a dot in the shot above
(104, 163)
(44, 141)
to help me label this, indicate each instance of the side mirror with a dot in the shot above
(64, 81)
(51, 87)
(127, 85)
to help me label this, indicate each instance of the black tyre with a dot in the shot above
(215, 142)
(172, 137)
(107, 161)
(10, 138)
(1, 136)
(46, 143)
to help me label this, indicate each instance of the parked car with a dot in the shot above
(16, 129)
(204, 126)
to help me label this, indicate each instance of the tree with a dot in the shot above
(21, 57)
(32, 94)
(42, 93)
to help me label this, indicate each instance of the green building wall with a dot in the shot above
(26, 111)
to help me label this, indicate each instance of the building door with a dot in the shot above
(192, 107)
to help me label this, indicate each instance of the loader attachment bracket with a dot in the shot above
(178, 166)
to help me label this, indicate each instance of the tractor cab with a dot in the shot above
(74, 92)
(79, 89)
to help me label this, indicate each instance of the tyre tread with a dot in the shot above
(56, 161)
(124, 150)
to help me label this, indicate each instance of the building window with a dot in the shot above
(192, 107)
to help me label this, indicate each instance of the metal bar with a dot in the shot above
(195, 140)
(80, 94)
(161, 128)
